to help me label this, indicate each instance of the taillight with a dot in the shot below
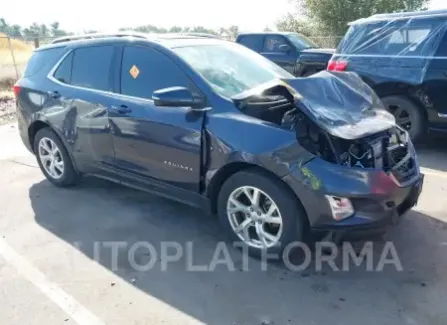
(337, 65)
(16, 89)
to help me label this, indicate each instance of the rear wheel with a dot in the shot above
(407, 114)
(260, 212)
(53, 159)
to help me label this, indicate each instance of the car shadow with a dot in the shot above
(98, 212)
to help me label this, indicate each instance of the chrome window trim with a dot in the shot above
(50, 76)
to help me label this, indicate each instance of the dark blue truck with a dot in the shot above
(292, 51)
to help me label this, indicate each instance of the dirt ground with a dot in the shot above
(7, 107)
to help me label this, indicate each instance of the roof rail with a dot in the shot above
(204, 35)
(96, 35)
(402, 15)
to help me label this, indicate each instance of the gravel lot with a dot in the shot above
(7, 108)
(51, 272)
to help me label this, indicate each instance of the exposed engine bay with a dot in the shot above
(385, 147)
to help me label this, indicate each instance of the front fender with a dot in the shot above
(237, 138)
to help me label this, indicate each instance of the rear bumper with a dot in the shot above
(377, 200)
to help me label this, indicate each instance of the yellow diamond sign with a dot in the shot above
(134, 72)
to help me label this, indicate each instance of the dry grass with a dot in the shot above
(22, 53)
(6, 94)
(7, 107)
(6, 83)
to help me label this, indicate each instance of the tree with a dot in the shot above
(56, 31)
(233, 31)
(201, 29)
(34, 30)
(54, 28)
(16, 31)
(302, 26)
(44, 32)
(333, 16)
(175, 29)
(4, 27)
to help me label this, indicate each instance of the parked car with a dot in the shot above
(213, 124)
(403, 57)
(285, 48)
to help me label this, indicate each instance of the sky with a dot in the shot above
(80, 15)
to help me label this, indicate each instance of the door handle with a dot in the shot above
(54, 94)
(122, 109)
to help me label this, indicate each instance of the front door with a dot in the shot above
(154, 143)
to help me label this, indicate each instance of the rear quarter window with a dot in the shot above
(254, 42)
(40, 59)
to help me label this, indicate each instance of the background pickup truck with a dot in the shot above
(291, 51)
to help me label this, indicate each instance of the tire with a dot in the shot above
(405, 110)
(292, 215)
(61, 175)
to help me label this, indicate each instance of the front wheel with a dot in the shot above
(259, 211)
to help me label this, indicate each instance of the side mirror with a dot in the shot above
(177, 97)
(284, 48)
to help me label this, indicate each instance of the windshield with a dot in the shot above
(230, 68)
(301, 42)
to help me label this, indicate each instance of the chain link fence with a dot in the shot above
(14, 54)
(327, 41)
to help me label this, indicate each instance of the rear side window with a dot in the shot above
(273, 42)
(91, 67)
(145, 70)
(63, 72)
(254, 42)
(41, 59)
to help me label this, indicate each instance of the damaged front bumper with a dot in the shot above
(378, 198)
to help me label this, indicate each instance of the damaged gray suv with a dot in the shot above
(215, 125)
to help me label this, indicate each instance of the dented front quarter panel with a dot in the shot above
(237, 138)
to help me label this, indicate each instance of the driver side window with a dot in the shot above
(144, 70)
(273, 42)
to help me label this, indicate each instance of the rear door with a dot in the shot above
(78, 104)
(271, 50)
(154, 144)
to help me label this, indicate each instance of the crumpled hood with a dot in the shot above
(341, 104)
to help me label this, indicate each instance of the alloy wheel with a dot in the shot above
(51, 158)
(402, 116)
(254, 217)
